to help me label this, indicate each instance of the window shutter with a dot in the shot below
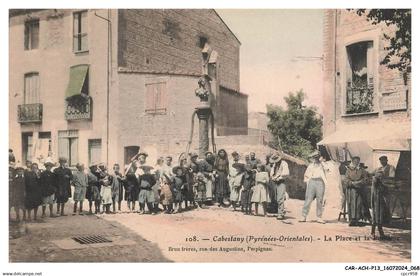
(74, 156)
(162, 103)
(63, 147)
(150, 96)
(34, 35)
(31, 88)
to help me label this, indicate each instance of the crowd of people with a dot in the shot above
(192, 183)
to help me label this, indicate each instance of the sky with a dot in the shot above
(272, 42)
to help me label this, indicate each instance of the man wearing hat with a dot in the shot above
(387, 169)
(63, 177)
(48, 187)
(315, 180)
(279, 174)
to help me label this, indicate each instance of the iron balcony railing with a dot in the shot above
(359, 99)
(79, 110)
(30, 113)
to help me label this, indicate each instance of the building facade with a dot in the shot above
(96, 85)
(367, 106)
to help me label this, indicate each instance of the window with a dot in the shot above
(80, 36)
(31, 88)
(130, 152)
(27, 146)
(31, 34)
(43, 145)
(68, 146)
(156, 98)
(95, 152)
(360, 78)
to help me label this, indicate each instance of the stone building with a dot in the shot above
(95, 85)
(367, 106)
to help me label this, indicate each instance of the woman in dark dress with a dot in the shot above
(17, 191)
(221, 166)
(355, 180)
(33, 191)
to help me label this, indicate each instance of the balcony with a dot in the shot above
(30, 113)
(359, 99)
(80, 109)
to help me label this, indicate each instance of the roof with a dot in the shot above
(237, 39)
(233, 91)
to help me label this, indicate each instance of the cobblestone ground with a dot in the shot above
(209, 235)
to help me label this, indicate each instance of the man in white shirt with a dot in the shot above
(316, 181)
(278, 174)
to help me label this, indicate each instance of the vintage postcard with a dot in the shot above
(210, 135)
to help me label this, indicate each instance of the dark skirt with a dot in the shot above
(17, 193)
(93, 193)
(33, 196)
(132, 193)
(246, 196)
(356, 204)
(221, 190)
(380, 209)
(178, 196)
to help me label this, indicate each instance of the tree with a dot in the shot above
(296, 129)
(399, 48)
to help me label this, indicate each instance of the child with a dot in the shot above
(106, 193)
(166, 194)
(247, 185)
(260, 194)
(179, 184)
(146, 196)
(200, 188)
(93, 189)
(80, 183)
(47, 181)
(132, 185)
(117, 188)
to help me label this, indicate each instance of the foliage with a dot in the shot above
(399, 48)
(296, 129)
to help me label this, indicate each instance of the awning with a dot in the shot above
(77, 79)
(390, 136)
(369, 141)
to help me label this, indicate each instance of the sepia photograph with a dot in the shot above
(209, 135)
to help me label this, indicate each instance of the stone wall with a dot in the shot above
(168, 41)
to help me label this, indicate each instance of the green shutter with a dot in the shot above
(77, 79)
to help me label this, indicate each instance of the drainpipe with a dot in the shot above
(107, 82)
(335, 70)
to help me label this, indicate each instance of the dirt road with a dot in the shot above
(220, 235)
(206, 235)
